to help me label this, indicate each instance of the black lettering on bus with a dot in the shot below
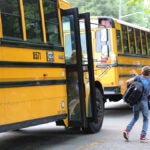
(36, 55)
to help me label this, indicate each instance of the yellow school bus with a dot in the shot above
(120, 50)
(39, 81)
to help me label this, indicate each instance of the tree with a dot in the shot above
(135, 14)
(146, 2)
(111, 8)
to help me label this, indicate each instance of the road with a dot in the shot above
(51, 137)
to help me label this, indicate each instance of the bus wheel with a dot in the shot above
(94, 127)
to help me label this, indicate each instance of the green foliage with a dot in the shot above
(147, 11)
(132, 2)
(133, 11)
(147, 4)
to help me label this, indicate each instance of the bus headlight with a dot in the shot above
(62, 104)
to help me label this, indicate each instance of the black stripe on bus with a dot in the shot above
(126, 75)
(24, 124)
(130, 66)
(119, 65)
(31, 64)
(31, 83)
(27, 44)
(134, 55)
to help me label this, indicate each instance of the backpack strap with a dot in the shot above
(138, 78)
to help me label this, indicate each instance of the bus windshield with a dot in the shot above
(102, 42)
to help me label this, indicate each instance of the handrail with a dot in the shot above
(107, 68)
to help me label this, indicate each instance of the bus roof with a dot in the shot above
(65, 4)
(120, 22)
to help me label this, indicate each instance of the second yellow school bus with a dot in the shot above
(120, 50)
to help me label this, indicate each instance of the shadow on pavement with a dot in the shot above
(27, 139)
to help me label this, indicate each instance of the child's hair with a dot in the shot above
(146, 70)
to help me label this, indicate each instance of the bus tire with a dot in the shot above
(94, 127)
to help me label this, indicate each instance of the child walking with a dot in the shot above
(141, 106)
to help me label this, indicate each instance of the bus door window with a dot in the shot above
(105, 22)
(84, 48)
(85, 65)
(83, 42)
(72, 74)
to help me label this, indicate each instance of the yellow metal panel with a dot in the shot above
(28, 74)
(113, 41)
(117, 25)
(26, 55)
(63, 4)
(27, 103)
(128, 69)
(108, 79)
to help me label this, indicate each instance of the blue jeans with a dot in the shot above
(143, 107)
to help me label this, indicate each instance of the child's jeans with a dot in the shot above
(143, 107)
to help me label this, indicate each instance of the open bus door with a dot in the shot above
(84, 100)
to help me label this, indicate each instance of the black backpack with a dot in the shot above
(133, 93)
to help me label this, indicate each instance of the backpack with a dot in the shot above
(133, 93)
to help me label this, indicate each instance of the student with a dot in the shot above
(141, 106)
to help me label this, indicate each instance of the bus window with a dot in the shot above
(98, 44)
(138, 41)
(68, 48)
(103, 43)
(105, 22)
(33, 20)
(119, 44)
(10, 13)
(131, 39)
(105, 51)
(101, 39)
(51, 22)
(125, 38)
(69, 39)
(103, 35)
(144, 43)
(83, 43)
(68, 44)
